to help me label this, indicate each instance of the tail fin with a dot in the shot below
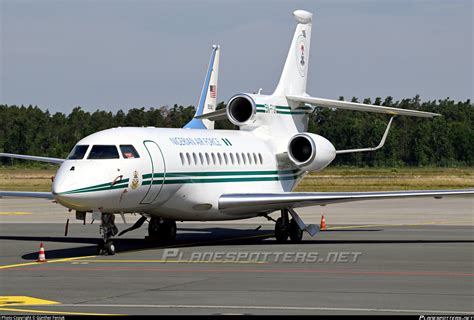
(295, 71)
(208, 100)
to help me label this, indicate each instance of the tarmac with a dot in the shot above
(408, 256)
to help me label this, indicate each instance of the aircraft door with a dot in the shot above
(157, 172)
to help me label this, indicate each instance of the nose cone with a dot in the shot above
(66, 177)
(64, 183)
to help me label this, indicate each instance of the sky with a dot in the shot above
(111, 55)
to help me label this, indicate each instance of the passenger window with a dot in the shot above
(208, 161)
(249, 157)
(189, 158)
(243, 158)
(238, 158)
(220, 158)
(225, 159)
(255, 159)
(195, 159)
(182, 158)
(78, 152)
(128, 151)
(231, 158)
(261, 158)
(103, 152)
(213, 158)
(201, 158)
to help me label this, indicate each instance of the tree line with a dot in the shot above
(441, 141)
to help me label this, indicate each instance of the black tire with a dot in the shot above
(169, 230)
(296, 234)
(110, 248)
(154, 227)
(162, 229)
(281, 231)
(100, 248)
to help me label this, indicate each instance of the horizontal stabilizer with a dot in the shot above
(327, 103)
(33, 158)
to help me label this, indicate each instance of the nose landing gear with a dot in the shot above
(108, 229)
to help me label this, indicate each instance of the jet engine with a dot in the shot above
(310, 152)
(241, 109)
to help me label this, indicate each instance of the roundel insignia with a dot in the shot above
(135, 180)
(301, 54)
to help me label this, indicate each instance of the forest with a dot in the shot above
(445, 141)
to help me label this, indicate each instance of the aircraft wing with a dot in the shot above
(26, 194)
(34, 158)
(220, 114)
(240, 203)
(327, 103)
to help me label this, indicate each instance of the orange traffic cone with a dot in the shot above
(42, 255)
(323, 223)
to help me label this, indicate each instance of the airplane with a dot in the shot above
(199, 174)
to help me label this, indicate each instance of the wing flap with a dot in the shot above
(267, 202)
(327, 103)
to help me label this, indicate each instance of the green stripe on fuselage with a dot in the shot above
(102, 187)
(220, 180)
(218, 173)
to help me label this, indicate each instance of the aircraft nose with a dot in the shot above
(63, 183)
(62, 179)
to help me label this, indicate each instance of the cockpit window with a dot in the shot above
(103, 152)
(128, 151)
(78, 152)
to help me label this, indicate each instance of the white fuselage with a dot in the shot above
(179, 174)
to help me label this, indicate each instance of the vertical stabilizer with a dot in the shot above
(208, 100)
(295, 71)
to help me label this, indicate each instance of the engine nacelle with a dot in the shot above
(310, 152)
(241, 109)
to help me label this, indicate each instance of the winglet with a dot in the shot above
(208, 100)
(381, 144)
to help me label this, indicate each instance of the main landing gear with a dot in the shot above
(108, 229)
(284, 228)
(162, 229)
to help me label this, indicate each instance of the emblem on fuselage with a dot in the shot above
(135, 180)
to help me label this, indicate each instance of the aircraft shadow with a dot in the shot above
(207, 237)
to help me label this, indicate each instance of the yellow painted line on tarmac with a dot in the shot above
(175, 261)
(43, 263)
(58, 312)
(7, 301)
(15, 212)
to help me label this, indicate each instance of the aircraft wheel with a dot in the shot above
(296, 234)
(281, 231)
(100, 248)
(154, 227)
(169, 230)
(110, 248)
(162, 229)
